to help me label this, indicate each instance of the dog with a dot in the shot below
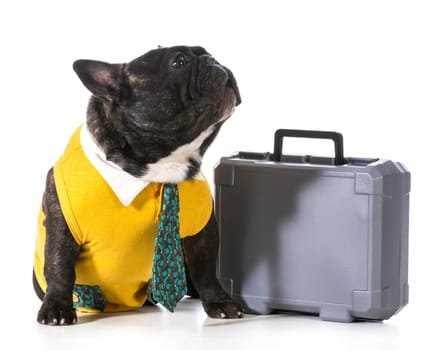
(149, 122)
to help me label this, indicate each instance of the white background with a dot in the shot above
(358, 67)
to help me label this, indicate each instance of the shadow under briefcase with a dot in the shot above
(326, 236)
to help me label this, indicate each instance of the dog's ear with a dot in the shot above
(103, 79)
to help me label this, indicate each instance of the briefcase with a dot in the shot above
(318, 235)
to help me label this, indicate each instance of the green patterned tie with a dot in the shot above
(168, 284)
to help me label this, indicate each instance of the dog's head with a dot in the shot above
(156, 115)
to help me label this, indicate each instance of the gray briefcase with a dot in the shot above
(326, 236)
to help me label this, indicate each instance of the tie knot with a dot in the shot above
(170, 198)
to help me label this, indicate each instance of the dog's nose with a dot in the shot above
(208, 59)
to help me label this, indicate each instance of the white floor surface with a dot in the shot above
(189, 328)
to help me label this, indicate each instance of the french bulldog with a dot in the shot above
(149, 122)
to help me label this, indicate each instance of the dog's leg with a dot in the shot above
(61, 253)
(201, 253)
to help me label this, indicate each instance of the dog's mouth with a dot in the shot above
(231, 97)
(232, 84)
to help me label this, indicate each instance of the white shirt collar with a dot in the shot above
(125, 186)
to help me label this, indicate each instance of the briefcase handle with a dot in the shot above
(311, 134)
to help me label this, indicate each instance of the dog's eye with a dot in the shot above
(179, 61)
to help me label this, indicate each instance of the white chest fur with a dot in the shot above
(174, 167)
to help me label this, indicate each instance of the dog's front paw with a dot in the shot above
(223, 309)
(54, 314)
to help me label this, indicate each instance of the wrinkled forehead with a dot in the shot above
(196, 50)
(158, 55)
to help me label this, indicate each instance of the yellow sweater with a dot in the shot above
(117, 241)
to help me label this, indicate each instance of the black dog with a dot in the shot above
(150, 121)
